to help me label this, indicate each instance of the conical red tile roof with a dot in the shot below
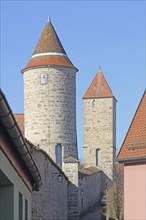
(49, 41)
(99, 88)
(49, 50)
(134, 145)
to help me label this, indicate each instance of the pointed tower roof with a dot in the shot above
(99, 88)
(49, 50)
(134, 145)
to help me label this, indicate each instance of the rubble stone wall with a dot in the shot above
(50, 202)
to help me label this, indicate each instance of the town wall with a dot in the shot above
(50, 202)
(70, 167)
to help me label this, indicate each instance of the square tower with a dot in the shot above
(100, 126)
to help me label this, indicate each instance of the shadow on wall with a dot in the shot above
(92, 185)
(50, 202)
(58, 197)
(72, 204)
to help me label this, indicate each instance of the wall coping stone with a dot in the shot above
(70, 160)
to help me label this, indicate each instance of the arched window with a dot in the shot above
(97, 157)
(93, 103)
(58, 154)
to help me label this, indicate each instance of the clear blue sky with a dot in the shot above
(93, 33)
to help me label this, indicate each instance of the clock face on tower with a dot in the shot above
(44, 78)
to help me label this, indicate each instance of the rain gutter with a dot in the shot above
(10, 124)
(134, 159)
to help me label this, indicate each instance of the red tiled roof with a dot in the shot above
(99, 88)
(20, 120)
(49, 50)
(50, 60)
(134, 145)
(49, 41)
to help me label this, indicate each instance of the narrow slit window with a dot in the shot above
(93, 103)
(58, 153)
(97, 157)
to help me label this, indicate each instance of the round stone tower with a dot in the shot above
(50, 98)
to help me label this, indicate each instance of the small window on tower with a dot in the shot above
(58, 154)
(44, 78)
(93, 103)
(97, 157)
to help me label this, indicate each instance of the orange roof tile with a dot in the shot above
(20, 120)
(52, 60)
(49, 50)
(134, 145)
(99, 88)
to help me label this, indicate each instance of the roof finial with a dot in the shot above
(49, 19)
(99, 68)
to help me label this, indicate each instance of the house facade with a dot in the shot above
(19, 175)
(133, 155)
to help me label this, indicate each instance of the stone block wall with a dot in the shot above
(100, 133)
(50, 109)
(72, 202)
(50, 202)
(70, 167)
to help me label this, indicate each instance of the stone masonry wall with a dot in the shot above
(99, 133)
(72, 202)
(50, 202)
(50, 109)
(70, 167)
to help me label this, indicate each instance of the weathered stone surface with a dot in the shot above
(50, 203)
(72, 205)
(70, 167)
(100, 133)
(50, 109)
(71, 170)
